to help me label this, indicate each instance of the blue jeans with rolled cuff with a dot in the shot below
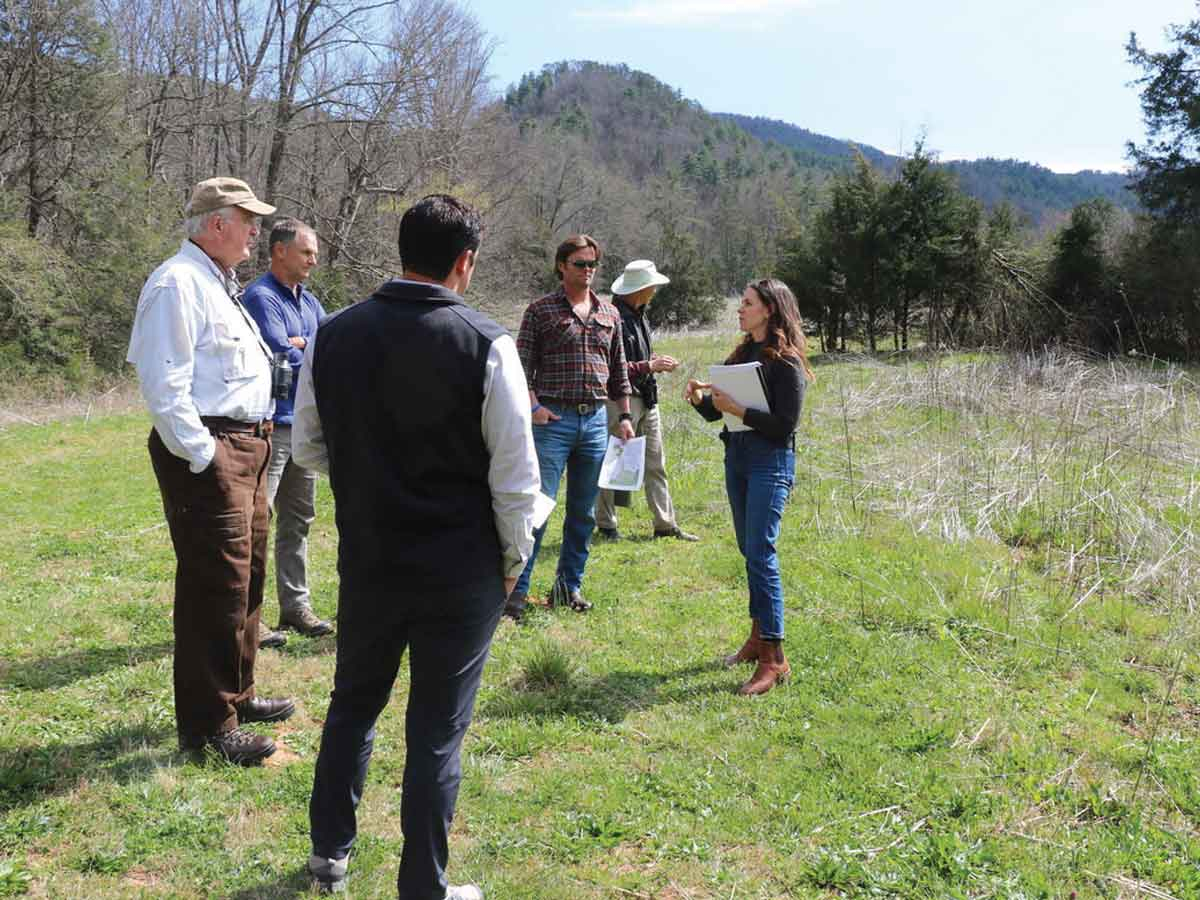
(758, 479)
(574, 443)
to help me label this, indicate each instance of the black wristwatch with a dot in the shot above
(625, 417)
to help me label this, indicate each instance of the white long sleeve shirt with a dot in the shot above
(197, 353)
(513, 474)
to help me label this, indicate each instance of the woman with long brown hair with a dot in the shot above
(760, 463)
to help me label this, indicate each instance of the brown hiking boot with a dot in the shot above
(269, 638)
(242, 748)
(305, 621)
(261, 709)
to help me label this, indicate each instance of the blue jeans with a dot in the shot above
(758, 479)
(575, 442)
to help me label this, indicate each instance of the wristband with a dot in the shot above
(536, 407)
(625, 417)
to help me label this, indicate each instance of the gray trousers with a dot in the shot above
(291, 495)
(647, 424)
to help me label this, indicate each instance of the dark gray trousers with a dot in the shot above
(448, 633)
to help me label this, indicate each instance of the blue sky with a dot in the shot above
(1039, 80)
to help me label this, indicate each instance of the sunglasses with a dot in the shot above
(585, 263)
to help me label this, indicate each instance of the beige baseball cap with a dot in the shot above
(217, 193)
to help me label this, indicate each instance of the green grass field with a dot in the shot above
(991, 571)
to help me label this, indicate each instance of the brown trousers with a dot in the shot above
(218, 521)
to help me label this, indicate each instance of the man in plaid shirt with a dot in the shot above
(570, 346)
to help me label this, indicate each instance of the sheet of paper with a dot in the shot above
(624, 464)
(543, 505)
(744, 384)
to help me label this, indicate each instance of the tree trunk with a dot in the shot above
(33, 211)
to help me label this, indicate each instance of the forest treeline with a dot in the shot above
(1041, 198)
(342, 112)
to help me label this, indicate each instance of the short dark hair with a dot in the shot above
(570, 245)
(284, 231)
(434, 232)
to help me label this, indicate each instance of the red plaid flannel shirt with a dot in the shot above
(568, 360)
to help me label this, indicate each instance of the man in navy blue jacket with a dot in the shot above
(417, 407)
(287, 315)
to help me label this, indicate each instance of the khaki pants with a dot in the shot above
(291, 496)
(647, 424)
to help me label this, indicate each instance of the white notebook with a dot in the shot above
(744, 383)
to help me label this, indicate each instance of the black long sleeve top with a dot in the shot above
(785, 385)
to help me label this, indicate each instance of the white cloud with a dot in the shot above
(695, 12)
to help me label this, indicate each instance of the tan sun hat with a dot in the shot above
(217, 193)
(639, 274)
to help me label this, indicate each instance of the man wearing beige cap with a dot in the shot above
(205, 374)
(632, 291)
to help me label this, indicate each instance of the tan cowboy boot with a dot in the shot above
(772, 669)
(749, 651)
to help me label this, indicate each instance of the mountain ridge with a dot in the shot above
(640, 127)
(1032, 189)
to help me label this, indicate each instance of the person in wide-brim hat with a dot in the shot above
(639, 275)
(632, 291)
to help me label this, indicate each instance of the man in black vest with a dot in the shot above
(417, 407)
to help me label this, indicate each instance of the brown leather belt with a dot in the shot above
(222, 424)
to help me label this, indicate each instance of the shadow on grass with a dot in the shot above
(123, 754)
(610, 697)
(59, 671)
(296, 884)
(300, 647)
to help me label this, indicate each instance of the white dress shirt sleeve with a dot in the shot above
(513, 471)
(162, 349)
(308, 438)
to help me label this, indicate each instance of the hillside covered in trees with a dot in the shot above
(342, 112)
(1042, 197)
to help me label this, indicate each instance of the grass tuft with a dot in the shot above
(550, 667)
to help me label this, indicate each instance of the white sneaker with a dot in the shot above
(463, 892)
(329, 874)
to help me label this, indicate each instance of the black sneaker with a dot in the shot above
(608, 534)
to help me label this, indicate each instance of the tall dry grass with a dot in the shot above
(1088, 467)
